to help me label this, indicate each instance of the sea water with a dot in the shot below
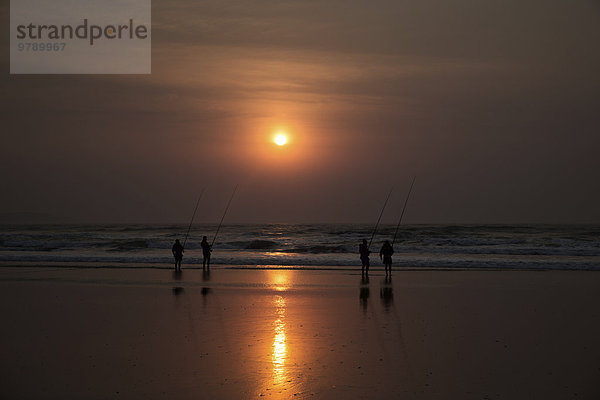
(305, 246)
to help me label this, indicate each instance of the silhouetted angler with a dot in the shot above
(206, 250)
(177, 250)
(363, 249)
(386, 255)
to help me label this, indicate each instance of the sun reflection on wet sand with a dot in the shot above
(278, 382)
(280, 280)
(279, 354)
(280, 377)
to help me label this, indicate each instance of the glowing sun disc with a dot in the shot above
(280, 140)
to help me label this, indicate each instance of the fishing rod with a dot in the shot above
(380, 214)
(403, 209)
(193, 215)
(223, 217)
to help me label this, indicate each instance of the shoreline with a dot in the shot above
(341, 268)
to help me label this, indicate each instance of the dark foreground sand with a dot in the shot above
(236, 334)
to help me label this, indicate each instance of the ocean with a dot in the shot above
(308, 246)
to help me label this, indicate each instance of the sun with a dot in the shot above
(280, 139)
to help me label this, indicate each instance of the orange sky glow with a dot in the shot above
(492, 120)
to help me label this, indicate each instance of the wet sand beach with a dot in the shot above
(281, 334)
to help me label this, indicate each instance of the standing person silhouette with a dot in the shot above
(363, 249)
(177, 250)
(206, 250)
(386, 255)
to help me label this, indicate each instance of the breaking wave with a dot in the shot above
(419, 246)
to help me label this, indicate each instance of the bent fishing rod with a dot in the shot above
(192, 220)
(380, 214)
(223, 217)
(403, 209)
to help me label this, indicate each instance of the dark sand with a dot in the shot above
(238, 334)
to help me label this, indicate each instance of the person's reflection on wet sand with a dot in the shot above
(364, 291)
(205, 290)
(387, 293)
(206, 274)
(177, 290)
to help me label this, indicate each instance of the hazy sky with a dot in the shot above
(493, 105)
